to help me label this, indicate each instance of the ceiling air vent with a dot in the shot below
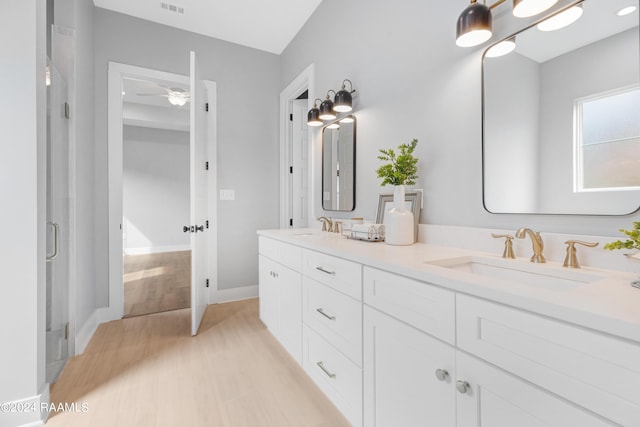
(172, 7)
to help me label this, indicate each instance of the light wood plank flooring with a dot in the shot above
(157, 282)
(148, 371)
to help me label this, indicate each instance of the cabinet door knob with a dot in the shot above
(462, 386)
(442, 374)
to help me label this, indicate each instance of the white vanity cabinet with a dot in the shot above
(423, 347)
(585, 378)
(332, 330)
(409, 374)
(390, 350)
(280, 291)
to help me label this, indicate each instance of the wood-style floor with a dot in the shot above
(157, 282)
(148, 371)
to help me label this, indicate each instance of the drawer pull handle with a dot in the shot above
(332, 273)
(463, 386)
(442, 374)
(329, 374)
(321, 311)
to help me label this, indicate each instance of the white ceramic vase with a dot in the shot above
(398, 222)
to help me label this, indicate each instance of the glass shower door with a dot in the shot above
(58, 224)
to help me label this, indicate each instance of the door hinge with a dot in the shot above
(67, 112)
(290, 117)
(206, 166)
(290, 169)
(206, 106)
(207, 283)
(206, 223)
(66, 331)
(291, 222)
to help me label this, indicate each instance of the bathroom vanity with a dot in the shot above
(442, 336)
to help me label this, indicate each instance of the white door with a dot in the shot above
(58, 225)
(198, 142)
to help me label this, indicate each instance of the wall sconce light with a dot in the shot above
(326, 108)
(527, 8)
(313, 116)
(341, 103)
(343, 100)
(474, 25)
(562, 19)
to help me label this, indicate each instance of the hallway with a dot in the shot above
(148, 371)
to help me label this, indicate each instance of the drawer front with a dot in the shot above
(284, 253)
(426, 307)
(593, 370)
(340, 274)
(335, 316)
(338, 377)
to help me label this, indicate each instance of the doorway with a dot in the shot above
(202, 225)
(155, 191)
(296, 191)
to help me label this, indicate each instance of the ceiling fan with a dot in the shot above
(175, 95)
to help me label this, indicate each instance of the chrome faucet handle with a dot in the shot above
(571, 259)
(508, 245)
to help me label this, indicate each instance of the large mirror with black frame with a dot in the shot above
(561, 116)
(339, 165)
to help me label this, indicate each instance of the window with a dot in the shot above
(607, 141)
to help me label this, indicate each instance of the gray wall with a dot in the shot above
(155, 189)
(413, 81)
(247, 84)
(23, 212)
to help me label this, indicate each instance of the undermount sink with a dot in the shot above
(520, 271)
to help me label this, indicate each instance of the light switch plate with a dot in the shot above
(227, 194)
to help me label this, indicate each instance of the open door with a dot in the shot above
(198, 142)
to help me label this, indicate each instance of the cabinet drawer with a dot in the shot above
(338, 377)
(591, 369)
(284, 253)
(340, 274)
(335, 316)
(426, 307)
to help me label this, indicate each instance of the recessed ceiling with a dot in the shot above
(265, 25)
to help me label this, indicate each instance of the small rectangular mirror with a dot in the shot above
(339, 165)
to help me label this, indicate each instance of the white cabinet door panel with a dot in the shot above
(497, 399)
(400, 383)
(594, 370)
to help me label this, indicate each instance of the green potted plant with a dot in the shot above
(400, 169)
(632, 242)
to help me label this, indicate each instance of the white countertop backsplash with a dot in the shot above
(609, 305)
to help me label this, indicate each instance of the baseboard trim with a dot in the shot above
(85, 333)
(156, 249)
(29, 418)
(234, 294)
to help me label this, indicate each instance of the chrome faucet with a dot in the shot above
(536, 242)
(327, 224)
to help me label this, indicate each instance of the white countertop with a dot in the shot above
(609, 305)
